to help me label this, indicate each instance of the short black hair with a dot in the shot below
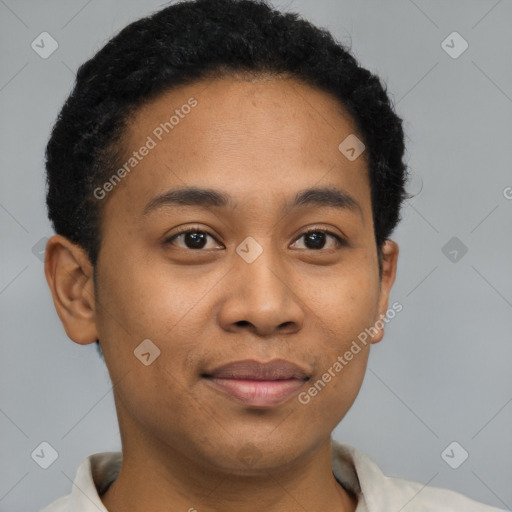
(184, 43)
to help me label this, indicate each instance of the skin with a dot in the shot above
(260, 141)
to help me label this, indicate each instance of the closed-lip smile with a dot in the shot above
(258, 384)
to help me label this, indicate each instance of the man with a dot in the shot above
(223, 181)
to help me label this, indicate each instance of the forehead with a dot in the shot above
(265, 138)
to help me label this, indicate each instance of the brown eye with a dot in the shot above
(193, 239)
(317, 239)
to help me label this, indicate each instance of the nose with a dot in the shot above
(261, 297)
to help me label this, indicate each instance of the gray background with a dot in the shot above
(442, 372)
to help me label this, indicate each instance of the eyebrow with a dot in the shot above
(211, 198)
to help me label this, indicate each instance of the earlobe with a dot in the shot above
(390, 252)
(69, 274)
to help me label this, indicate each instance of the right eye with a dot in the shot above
(193, 239)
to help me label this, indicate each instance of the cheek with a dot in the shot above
(145, 300)
(333, 390)
(344, 303)
(140, 298)
(343, 308)
(341, 350)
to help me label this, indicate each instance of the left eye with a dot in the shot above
(317, 239)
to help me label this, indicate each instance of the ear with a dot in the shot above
(69, 274)
(389, 265)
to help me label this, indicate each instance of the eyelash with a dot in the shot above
(339, 240)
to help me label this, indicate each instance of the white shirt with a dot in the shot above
(352, 468)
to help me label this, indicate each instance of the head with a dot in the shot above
(230, 121)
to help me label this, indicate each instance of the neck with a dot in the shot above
(153, 479)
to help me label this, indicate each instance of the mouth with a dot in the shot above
(258, 384)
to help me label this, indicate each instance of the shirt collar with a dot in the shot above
(95, 474)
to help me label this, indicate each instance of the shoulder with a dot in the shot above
(381, 492)
(93, 476)
(60, 505)
(416, 496)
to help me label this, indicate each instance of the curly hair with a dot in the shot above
(184, 43)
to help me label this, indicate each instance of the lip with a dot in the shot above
(258, 384)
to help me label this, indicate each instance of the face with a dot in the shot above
(259, 269)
